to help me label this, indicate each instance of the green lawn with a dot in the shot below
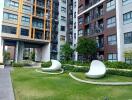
(30, 85)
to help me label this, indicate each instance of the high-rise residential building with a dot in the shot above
(109, 23)
(55, 23)
(72, 24)
(26, 24)
(62, 27)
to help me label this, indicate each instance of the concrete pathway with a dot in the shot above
(6, 90)
(100, 83)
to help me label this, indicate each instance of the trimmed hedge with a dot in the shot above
(118, 65)
(120, 72)
(78, 63)
(46, 64)
(17, 65)
(75, 69)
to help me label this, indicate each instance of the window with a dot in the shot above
(128, 38)
(111, 5)
(25, 20)
(11, 4)
(74, 14)
(74, 35)
(62, 38)
(75, 4)
(8, 29)
(80, 32)
(128, 60)
(127, 18)
(125, 2)
(112, 40)
(26, 9)
(80, 20)
(112, 57)
(64, 1)
(74, 25)
(111, 22)
(24, 32)
(62, 28)
(9, 16)
(63, 18)
(63, 9)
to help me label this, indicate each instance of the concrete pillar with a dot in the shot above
(38, 54)
(119, 22)
(76, 56)
(46, 52)
(16, 51)
(19, 51)
(1, 50)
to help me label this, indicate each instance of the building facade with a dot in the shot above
(109, 23)
(26, 24)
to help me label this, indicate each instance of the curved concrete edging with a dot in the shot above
(100, 83)
(62, 71)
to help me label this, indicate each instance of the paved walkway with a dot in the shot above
(6, 90)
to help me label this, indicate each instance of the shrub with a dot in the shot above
(17, 65)
(46, 64)
(75, 69)
(120, 72)
(119, 65)
(78, 63)
(27, 62)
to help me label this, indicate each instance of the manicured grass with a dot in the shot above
(30, 85)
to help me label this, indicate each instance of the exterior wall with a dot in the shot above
(1, 40)
(122, 28)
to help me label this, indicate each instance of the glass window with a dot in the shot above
(111, 5)
(112, 57)
(25, 20)
(125, 2)
(63, 18)
(63, 9)
(9, 16)
(127, 17)
(24, 32)
(62, 28)
(112, 40)
(128, 38)
(111, 22)
(8, 29)
(26, 9)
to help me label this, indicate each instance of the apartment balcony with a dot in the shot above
(89, 3)
(99, 29)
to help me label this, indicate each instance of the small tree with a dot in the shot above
(128, 54)
(86, 47)
(66, 51)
